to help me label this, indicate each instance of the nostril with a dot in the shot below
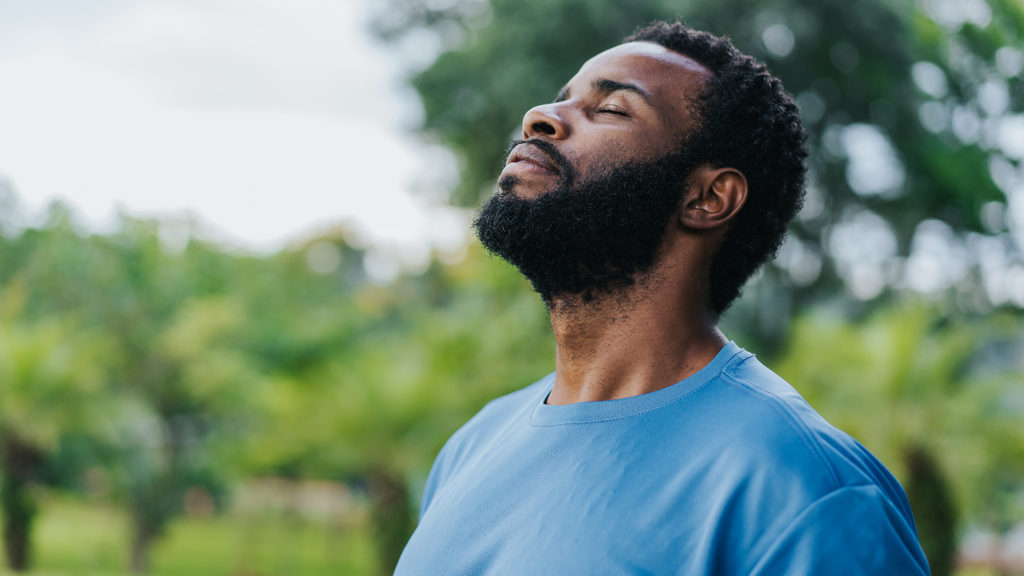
(543, 128)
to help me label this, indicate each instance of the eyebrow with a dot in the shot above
(605, 86)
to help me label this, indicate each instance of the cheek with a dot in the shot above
(610, 154)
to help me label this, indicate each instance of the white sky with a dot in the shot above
(266, 119)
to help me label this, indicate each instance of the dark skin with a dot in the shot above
(630, 103)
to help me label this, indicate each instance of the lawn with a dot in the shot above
(75, 538)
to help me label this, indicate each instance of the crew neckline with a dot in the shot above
(603, 410)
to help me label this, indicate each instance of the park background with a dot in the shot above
(181, 395)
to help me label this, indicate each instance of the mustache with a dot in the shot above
(560, 161)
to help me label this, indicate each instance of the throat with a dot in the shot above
(627, 344)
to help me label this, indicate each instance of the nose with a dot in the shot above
(544, 120)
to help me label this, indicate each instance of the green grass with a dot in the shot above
(73, 538)
(79, 539)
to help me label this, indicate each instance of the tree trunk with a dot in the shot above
(157, 498)
(20, 465)
(934, 511)
(142, 540)
(390, 517)
(152, 505)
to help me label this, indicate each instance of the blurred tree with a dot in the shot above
(424, 355)
(929, 398)
(198, 387)
(914, 112)
(52, 384)
(180, 349)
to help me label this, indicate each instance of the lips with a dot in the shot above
(531, 154)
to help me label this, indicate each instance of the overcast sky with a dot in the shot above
(267, 119)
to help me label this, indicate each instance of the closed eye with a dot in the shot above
(616, 111)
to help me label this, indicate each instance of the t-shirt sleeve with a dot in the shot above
(854, 531)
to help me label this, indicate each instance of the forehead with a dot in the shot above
(669, 77)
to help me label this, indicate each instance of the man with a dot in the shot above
(637, 204)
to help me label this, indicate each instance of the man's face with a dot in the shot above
(629, 103)
(585, 199)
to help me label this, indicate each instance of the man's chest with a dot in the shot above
(569, 505)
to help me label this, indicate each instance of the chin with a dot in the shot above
(514, 186)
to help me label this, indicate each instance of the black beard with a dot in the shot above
(589, 238)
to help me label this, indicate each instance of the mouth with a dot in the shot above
(532, 155)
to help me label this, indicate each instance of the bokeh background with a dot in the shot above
(240, 312)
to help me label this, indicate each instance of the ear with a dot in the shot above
(713, 196)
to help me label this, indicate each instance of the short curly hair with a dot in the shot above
(747, 121)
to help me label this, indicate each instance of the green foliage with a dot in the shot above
(886, 149)
(49, 377)
(272, 544)
(221, 364)
(515, 55)
(934, 511)
(184, 370)
(426, 353)
(931, 398)
(50, 387)
(904, 102)
(415, 368)
(907, 377)
(159, 367)
(227, 364)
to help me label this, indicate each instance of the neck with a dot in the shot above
(634, 341)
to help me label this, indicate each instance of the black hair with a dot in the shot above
(746, 121)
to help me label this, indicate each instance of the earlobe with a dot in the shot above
(713, 197)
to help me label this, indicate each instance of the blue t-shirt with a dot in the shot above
(728, 472)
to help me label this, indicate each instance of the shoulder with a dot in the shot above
(481, 430)
(852, 531)
(779, 426)
(814, 487)
(772, 427)
(496, 413)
